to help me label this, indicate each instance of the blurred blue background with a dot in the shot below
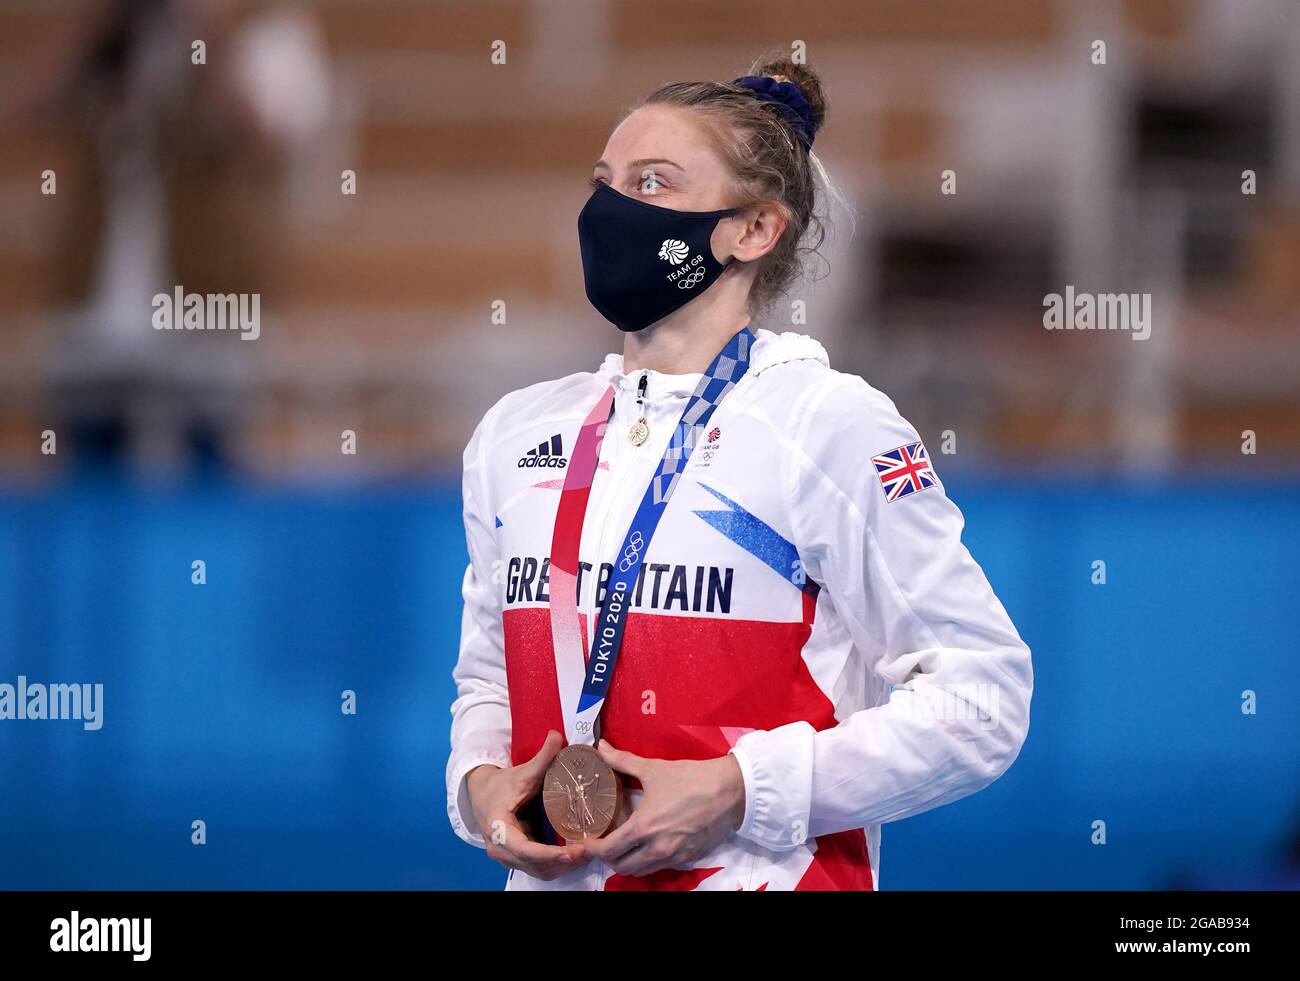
(222, 700)
(400, 306)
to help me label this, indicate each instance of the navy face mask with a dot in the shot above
(641, 262)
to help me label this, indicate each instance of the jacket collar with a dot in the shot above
(769, 349)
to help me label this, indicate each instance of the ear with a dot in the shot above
(755, 231)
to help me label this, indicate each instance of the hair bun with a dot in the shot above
(787, 97)
(809, 83)
(796, 89)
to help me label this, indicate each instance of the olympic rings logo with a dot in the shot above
(583, 727)
(634, 546)
(692, 280)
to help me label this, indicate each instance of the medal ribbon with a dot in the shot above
(718, 380)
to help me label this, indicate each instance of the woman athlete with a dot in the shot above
(729, 569)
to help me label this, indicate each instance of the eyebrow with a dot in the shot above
(639, 164)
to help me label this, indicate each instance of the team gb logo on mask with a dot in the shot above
(673, 251)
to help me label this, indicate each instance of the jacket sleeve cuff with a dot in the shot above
(777, 769)
(459, 810)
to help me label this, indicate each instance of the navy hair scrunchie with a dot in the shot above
(790, 98)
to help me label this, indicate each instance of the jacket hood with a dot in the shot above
(769, 349)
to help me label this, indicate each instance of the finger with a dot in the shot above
(547, 873)
(526, 850)
(535, 768)
(549, 870)
(505, 833)
(528, 777)
(645, 860)
(510, 845)
(503, 856)
(546, 870)
(618, 842)
(623, 761)
(653, 853)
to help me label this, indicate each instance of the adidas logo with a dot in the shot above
(549, 453)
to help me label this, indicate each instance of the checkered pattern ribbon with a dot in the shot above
(727, 369)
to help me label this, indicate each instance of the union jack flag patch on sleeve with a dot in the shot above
(904, 471)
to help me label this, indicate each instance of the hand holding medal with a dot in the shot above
(498, 795)
(686, 808)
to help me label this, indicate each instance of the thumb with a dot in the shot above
(623, 761)
(535, 769)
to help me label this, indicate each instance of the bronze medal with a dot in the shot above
(580, 793)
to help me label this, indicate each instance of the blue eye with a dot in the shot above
(650, 184)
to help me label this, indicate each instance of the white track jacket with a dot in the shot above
(806, 605)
